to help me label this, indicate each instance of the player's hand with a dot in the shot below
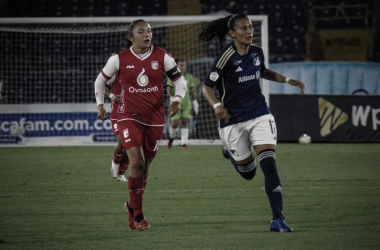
(297, 83)
(171, 99)
(115, 98)
(196, 107)
(102, 113)
(222, 113)
(174, 108)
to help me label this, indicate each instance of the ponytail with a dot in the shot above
(216, 28)
(220, 27)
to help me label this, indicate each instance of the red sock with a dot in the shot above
(145, 177)
(136, 190)
(117, 158)
(123, 165)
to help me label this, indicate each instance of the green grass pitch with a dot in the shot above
(65, 198)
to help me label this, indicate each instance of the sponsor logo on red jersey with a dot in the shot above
(142, 79)
(154, 65)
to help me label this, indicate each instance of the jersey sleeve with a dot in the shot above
(110, 81)
(107, 73)
(171, 68)
(175, 75)
(214, 75)
(169, 62)
(219, 66)
(111, 67)
(262, 66)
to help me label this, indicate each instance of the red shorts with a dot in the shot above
(113, 116)
(114, 127)
(135, 134)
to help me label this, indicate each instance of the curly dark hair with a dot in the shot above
(220, 27)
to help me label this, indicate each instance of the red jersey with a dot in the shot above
(142, 95)
(116, 90)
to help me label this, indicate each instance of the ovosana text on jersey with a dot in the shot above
(143, 90)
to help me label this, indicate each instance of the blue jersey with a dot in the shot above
(236, 78)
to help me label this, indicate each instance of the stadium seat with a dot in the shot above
(278, 59)
(295, 46)
(276, 22)
(278, 46)
(263, 9)
(296, 58)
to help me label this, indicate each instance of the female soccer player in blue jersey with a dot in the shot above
(245, 119)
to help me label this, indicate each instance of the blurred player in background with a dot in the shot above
(141, 117)
(120, 160)
(245, 121)
(185, 112)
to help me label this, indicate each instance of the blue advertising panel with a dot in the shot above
(52, 120)
(54, 124)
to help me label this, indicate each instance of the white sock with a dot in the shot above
(173, 133)
(184, 136)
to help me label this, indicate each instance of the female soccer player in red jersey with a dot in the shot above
(119, 164)
(141, 117)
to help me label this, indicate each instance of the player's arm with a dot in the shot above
(191, 85)
(107, 73)
(169, 89)
(193, 96)
(194, 100)
(273, 76)
(178, 81)
(114, 98)
(212, 79)
(220, 111)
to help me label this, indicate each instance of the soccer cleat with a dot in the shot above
(121, 177)
(279, 225)
(184, 146)
(114, 169)
(142, 225)
(170, 143)
(131, 220)
(225, 153)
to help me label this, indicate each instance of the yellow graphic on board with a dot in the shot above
(331, 116)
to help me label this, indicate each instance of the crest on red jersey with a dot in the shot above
(154, 65)
(126, 133)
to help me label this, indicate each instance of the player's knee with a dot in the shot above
(137, 164)
(119, 148)
(184, 123)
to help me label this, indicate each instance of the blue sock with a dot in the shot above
(267, 158)
(247, 171)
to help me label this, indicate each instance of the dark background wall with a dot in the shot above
(288, 19)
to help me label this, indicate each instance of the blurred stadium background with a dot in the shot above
(332, 46)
